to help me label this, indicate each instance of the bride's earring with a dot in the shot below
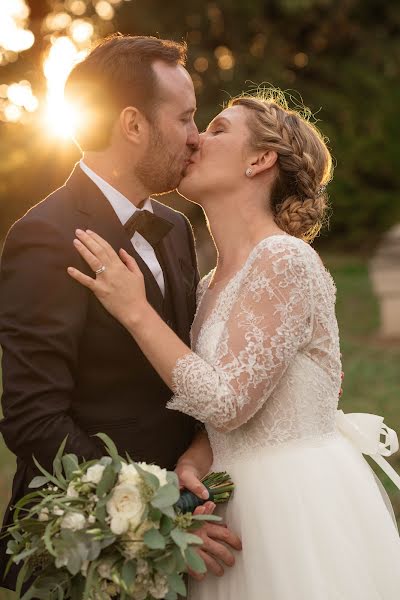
(249, 172)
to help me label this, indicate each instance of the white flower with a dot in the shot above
(142, 568)
(74, 521)
(91, 519)
(161, 474)
(58, 511)
(125, 508)
(159, 586)
(94, 474)
(133, 540)
(128, 474)
(104, 570)
(71, 490)
(44, 514)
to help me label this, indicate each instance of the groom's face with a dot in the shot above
(173, 136)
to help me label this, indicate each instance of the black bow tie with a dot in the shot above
(149, 225)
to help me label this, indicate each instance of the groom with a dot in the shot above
(69, 368)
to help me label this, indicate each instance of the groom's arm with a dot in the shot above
(42, 314)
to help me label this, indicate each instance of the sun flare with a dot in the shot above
(61, 119)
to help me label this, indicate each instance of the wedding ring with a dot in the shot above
(101, 270)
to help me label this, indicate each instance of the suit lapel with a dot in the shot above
(173, 275)
(101, 218)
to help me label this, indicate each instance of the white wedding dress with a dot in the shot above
(265, 376)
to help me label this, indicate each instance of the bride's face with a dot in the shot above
(220, 163)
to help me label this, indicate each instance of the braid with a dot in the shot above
(304, 165)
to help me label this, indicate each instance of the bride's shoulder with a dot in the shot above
(283, 251)
(280, 244)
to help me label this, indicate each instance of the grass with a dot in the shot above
(371, 365)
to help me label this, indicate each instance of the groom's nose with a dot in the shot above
(193, 137)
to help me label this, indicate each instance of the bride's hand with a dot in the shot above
(120, 286)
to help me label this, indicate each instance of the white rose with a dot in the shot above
(125, 508)
(128, 474)
(71, 491)
(74, 521)
(161, 474)
(94, 474)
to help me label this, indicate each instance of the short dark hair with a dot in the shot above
(115, 74)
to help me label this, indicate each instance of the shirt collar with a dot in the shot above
(123, 207)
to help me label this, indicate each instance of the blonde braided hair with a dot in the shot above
(298, 198)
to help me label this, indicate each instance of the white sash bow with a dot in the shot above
(372, 437)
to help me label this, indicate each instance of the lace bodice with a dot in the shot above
(265, 367)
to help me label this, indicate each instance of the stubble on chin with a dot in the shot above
(157, 171)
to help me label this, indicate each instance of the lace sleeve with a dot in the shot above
(270, 321)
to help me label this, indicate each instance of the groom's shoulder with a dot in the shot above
(54, 211)
(48, 221)
(53, 208)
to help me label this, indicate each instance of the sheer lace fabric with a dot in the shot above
(265, 367)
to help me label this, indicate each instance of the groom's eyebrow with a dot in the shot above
(190, 111)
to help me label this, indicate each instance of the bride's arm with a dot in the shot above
(271, 320)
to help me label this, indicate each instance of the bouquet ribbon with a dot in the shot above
(372, 437)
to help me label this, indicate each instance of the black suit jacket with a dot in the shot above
(68, 366)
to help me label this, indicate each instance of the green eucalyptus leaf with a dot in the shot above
(24, 554)
(149, 478)
(70, 464)
(166, 497)
(194, 561)
(173, 479)
(154, 540)
(166, 525)
(166, 563)
(110, 446)
(107, 481)
(38, 481)
(177, 584)
(206, 518)
(51, 478)
(57, 464)
(171, 595)
(47, 539)
(179, 560)
(155, 514)
(22, 576)
(128, 573)
(177, 536)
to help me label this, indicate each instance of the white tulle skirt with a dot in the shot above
(314, 526)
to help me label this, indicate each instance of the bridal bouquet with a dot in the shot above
(106, 528)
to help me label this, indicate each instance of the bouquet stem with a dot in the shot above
(219, 486)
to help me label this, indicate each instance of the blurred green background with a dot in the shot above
(341, 57)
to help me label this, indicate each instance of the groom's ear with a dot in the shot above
(264, 161)
(133, 124)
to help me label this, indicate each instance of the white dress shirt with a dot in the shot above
(124, 209)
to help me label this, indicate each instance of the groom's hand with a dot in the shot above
(189, 478)
(214, 551)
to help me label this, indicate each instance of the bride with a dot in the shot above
(264, 371)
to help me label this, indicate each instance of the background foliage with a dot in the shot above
(341, 56)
